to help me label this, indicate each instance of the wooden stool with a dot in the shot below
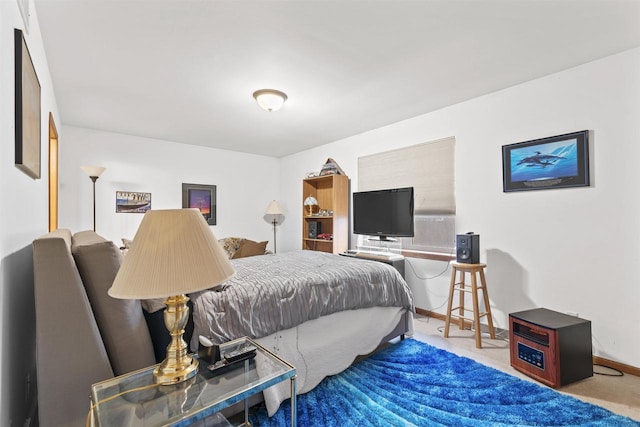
(472, 269)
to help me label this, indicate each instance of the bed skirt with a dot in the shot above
(328, 345)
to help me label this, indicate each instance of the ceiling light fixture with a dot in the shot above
(270, 99)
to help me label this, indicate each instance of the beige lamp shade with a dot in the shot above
(93, 170)
(173, 252)
(274, 208)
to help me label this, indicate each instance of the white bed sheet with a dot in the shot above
(327, 346)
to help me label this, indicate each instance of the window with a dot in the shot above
(429, 168)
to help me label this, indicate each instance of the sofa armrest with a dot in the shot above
(70, 353)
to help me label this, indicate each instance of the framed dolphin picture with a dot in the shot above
(555, 162)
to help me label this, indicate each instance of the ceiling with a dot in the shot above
(185, 70)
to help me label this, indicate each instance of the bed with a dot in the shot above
(318, 311)
(270, 293)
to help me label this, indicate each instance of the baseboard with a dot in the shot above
(627, 369)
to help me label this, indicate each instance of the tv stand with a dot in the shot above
(396, 261)
(382, 239)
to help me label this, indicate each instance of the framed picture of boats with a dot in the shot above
(132, 202)
(560, 161)
(202, 197)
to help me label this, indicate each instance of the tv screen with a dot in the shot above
(384, 213)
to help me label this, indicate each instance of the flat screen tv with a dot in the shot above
(384, 213)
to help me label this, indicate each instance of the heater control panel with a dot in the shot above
(531, 355)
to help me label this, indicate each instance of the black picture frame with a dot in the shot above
(27, 110)
(559, 161)
(202, 197)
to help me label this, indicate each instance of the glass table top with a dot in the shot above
(134, 400)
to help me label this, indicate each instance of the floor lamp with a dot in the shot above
(94, 173)
(274, 211)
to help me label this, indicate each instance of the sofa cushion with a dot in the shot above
(87, 237)
(250, 248)
(121, 322)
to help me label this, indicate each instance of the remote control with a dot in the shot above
(240, 354)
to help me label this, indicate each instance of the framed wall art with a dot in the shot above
(27, 110)
(202, 197)
(555, 162)
(132, 202)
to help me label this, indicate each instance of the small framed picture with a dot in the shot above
(555, 162)
(132, 202)
(202, 197)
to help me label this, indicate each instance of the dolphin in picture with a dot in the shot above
(540, 160)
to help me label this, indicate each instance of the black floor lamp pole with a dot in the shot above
(94, 179)
(274, 222)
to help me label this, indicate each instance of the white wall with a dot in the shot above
(568, 250)
(23, 217)
(245, 183)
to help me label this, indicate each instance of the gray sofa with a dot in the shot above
(83, 336)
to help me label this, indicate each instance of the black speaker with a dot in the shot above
(468, 248)
(315, 228)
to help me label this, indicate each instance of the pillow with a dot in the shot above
(250, 248)
(126, 245)
(231, 245)
(153, 305)
(120, 321)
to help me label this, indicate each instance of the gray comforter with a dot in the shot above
(276, 292)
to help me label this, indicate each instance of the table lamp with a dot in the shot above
(274, 211)
(310, 202)
(173, 253)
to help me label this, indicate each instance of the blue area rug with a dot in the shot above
(413, 383)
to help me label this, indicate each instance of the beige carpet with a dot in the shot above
(618, 394)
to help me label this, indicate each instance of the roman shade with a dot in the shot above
(427, 167)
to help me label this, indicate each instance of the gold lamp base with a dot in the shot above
(178, 365)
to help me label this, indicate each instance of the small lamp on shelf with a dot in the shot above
(174, 253)
(310, 202)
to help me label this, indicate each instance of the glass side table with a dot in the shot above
(133, 400)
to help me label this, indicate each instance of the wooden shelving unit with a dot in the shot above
(332, 194)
